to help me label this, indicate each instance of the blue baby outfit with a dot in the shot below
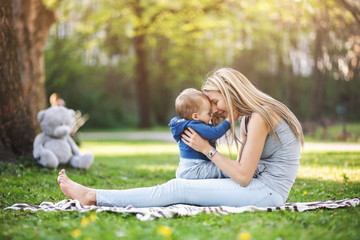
(193, 164)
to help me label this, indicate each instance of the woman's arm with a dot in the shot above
(243, 169)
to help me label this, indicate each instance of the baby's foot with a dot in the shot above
(73, 190)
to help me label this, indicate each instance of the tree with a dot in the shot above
(321, 23)
(353, 7)
(156, 31)
(16, 131)
(32, 24)
(141, 68)
(304, 53)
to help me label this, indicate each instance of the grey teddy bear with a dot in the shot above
(54, 145)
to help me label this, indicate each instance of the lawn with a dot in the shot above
(334, 132)
(126, 164)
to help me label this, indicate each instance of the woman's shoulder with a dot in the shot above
(256, 120)
(274, 118)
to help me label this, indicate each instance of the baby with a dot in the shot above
(193, 108)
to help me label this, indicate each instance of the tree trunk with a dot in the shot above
(32, 24)
(16, 131)
(162, 102)
(141, 72)
(292, 81)
(142, 82)
(318, 86)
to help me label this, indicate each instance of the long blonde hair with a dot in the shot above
(245, 98)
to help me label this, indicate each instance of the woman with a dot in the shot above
(262, 175)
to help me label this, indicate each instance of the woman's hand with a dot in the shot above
(191, 138)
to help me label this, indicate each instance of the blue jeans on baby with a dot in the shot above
(198, 169)
(204, 192)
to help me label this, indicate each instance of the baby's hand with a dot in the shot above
(215, 119)
(236, 115)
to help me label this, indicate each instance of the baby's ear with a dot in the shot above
(194, 116)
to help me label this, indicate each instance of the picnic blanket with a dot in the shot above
(178, 210)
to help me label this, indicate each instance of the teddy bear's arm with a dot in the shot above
(74, 148)
(38, 145)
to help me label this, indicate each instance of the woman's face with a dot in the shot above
(218, 105)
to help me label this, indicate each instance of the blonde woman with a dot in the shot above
(262, 175)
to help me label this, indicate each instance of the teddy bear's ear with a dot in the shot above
(41, 115)
(72, 112)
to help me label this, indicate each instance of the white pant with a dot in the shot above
(205, 192)
(198, 169)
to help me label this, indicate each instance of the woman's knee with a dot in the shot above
(177, 184)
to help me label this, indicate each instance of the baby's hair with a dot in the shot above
(188, 102)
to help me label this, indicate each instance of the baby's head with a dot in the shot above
(192, 104)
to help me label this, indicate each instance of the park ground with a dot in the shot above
(328, 171)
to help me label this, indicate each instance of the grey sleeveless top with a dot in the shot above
(279, 161)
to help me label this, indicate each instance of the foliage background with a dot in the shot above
(103, 55)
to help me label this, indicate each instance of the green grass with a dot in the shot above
(127, 129)
(127, 164)
(334, 133)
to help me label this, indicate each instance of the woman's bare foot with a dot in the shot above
(73, 190)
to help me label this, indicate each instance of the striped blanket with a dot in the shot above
(178, 210)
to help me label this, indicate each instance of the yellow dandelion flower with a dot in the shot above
(76, 233)
(165, 231)
(244, 236)
(316, 160)
(92, 217)
(305, 192)
(84, 222)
